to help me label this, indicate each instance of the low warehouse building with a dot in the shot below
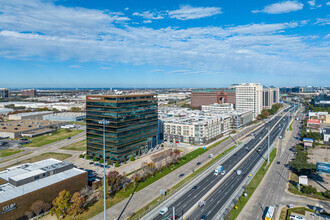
(15, 129)
(22, 185)
(65, 116)
(29, 115)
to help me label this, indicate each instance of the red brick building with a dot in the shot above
(211, 96)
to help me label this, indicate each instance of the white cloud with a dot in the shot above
(126, 9)
(328, 3)
(187, 12)
(149, 15)
(281, 7)
(147, 21)
(28, 33)
(75, 66)
(105, 68)
(311, 3)
(323, 21)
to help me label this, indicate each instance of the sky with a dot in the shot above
(163, 43)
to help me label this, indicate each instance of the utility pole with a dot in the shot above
(173, 213)
(104, 122)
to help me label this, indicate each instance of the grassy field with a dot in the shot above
(59, 156)
(61, 134)
(251, 188)
(8, 152)
(78, 146)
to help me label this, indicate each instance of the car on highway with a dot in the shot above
(163, 211)
(239, 172)
(223, 172)
(201, 204)
(195, 187)
(181, 175)
(203, 217)
(296, 217)
(259, 149)
(198, 163)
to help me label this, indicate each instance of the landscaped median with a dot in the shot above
(61, 134)
(252, 186)
(8, 152)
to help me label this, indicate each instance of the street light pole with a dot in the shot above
(268, 147)
(237, 127)
(104, 122)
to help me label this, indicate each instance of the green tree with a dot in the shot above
(308, 190)
(101, 160)
(116, 164)
(132, 158)
(87, 157)
(61, 204)
(326, 194)
(95, 159)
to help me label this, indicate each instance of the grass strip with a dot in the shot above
(252, 186)
(8, 152)
(61, 134)
(78, 146)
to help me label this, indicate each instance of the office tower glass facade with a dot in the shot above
(132, 128)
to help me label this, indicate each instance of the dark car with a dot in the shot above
(198, 163)
(175, 217)
(181, 175)
(278, 162)
(259, 149)
(203, 217)
(195, 187)
(91, 162)
(69, 137)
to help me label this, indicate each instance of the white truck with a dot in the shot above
(218, 170)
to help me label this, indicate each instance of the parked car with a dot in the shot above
(181, 175)
(69, 137)
(278, 162)
(198, 163)
(91, 163)
(296, 217)
(163, 211)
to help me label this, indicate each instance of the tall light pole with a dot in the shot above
(237, 127)
(104, 122)
(268, 146)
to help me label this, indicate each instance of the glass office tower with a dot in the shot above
(132, 128)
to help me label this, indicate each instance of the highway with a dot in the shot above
(222, 194)
(193, 196)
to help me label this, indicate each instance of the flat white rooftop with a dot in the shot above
(9, 191)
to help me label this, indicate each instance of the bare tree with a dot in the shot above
(29, 214)
(37, 207)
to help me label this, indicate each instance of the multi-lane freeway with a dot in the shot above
(220, 196)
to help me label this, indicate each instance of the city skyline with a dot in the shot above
(68, 44)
